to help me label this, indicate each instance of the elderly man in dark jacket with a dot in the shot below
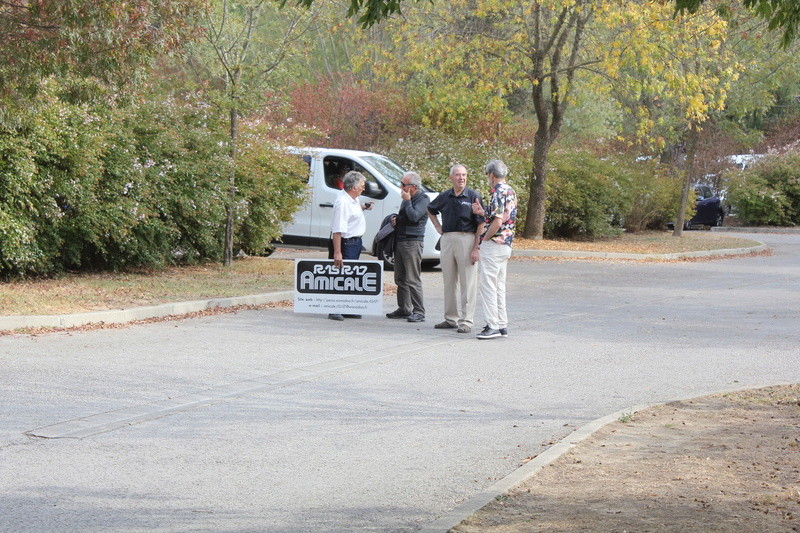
(409, 233)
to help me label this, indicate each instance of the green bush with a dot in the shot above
(432, 153)
(151, 188)
(768, 193)
(585, 198)
(19, 249)
(653, 194)
(591, 197)
(49, 158)
(272, 185)
(176, 183)
(88, 185)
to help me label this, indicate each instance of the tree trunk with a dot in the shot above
(534, 220)
(691, 149)
(551, 83)
(229, 208)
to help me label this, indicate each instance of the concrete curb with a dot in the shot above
(612, 255)
(734, 229)
(120, 316)
(521, 474)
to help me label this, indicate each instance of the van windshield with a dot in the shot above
(390, 170)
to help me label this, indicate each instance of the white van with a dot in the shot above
(743, 161)
(312, 224)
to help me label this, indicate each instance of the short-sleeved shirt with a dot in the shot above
(348, 217)
(503, 200)
(456, 210)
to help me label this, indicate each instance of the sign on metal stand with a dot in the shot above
(356, 288)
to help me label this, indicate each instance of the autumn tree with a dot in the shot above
(555, 45)
(452, 52)
(468, 54)
(674, 74)
(781, 14)
(107, 39)
(246, 44)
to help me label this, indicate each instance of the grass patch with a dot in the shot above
(77, 293)
(648, 242)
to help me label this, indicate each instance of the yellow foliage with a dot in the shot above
(463, 56)
(667, 64)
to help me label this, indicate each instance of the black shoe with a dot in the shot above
(333, 316)
(397, 314)
(416, 317)
(351, 316)
(445, 325)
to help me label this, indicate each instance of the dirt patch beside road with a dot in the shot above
(721, 463)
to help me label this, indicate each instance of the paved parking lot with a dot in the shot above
(273, 421)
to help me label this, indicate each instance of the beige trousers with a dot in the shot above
(460, 278)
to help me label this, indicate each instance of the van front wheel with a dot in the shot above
(388, 259)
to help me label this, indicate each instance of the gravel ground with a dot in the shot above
(721, 463)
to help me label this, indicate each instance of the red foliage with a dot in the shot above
(97, 37)
(782, 135)
(352, 114)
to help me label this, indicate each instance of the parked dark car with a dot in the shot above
(709, 209)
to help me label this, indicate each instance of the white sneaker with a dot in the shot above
(489, 333)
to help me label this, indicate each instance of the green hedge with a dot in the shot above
(584, 198)
(588, 197)
(90, 185)
(768, 193)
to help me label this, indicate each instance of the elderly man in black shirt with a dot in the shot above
(409, 231)
(460, 229)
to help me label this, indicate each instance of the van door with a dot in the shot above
(298, 232)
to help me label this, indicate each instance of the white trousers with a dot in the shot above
(492, 282)
(460, 278)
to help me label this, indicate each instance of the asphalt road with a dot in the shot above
(275, 422)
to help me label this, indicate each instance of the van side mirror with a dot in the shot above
(373, 190)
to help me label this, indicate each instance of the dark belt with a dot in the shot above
(350, 240)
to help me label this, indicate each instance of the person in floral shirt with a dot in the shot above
(500, 219)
